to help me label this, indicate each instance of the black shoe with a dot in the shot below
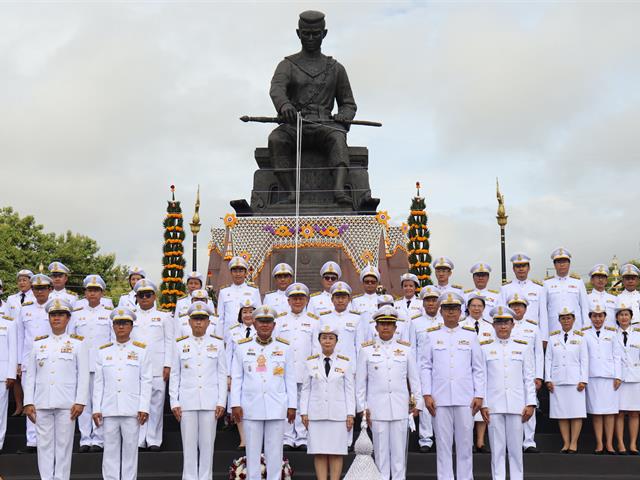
(350, 449)
(287, 448)
(531, 450)
(623, 452)
(610, 452)
(483, 449)
(302, 448)
(634, 452)
(84, 449)
(241, 448)
(425, 449)
(564, 451)
(572, 452)
(26, 450)
(154, 448)
(598, 452)
(95, 448)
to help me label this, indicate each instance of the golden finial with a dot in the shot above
(502, 212)
(195, 221)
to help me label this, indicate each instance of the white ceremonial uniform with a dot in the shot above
(64, 294)
(605, 365)
(8, 364)
(16, 300)
(367, 327)
(128, 300)
(381, 387)
(567, 292)
(449, 287)
(263, 383)
(566, 363)
(365, 302)
(198, 385)
(182, 328)
(491, 299)
(529, 331)
(122, 388)
(328, 400)
(629, 391)
(320, 302)
(510, 388)
(534, 292)
(33, 322)
(58, 378)
(182, 305)
(236, 333)
(83, 303)
(408, 307)
(453, 373)
(346, 325)
(229, 300)
(630, 298)
(608, 304)
(481, 327)
(95, 326)
(298, 331)
(278, 300)
(155, 329)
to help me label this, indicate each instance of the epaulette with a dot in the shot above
(163, 310)
(418, 315)
(356, 296)
(30, 302)
(270, 291)
(108, 308)
(610, 328)
(183, 314)
(312, 315)
(77, 309)
(234, 326)
(244, 340)
(459, 287)
(281, 314)
(493, 291)
(326, 312)
(507, 282)
(355, 312)
(72, 293)
(77, 337)
(578, 332)
(532, 321)
(313, 357)
(433, 329)
(575, 275)
(469, 290)
(282, 340)
(7, 317)
(538, 282)
(225, 286)
(216, 336)
(398, 297)
(486, 342)
(636, 329)
(403, 342)
(467, 327)
(585, 328)
(342, 357)
(400, 319)
(251, 284)
(555, 332)
(315, 294)
(106, 345)
(522, 342)
(41, 337)
(549, 277)
(182, 338)
(139, 344)
(367, 344)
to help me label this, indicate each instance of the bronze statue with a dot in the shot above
(311, 83)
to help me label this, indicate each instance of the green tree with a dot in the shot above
(24, 244)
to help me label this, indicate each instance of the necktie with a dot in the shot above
(624, 334)
(477, 327)
(598, 333)
(248, 332)
(566, 335)
(327, 366)
(408, 303)
(22, 297)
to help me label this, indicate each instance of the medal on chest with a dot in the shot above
(67, 347)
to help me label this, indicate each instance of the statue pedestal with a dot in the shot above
(353, 241)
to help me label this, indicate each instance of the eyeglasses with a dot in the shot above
(145, 294)
(330, 278)
(122, 323)
(370, 282)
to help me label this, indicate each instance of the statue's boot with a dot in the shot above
(340, 178)
(286, 181)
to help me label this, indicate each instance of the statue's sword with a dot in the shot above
(365, 123)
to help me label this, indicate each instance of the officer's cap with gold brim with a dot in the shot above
(385, 299)
(199, 308)
(122, 314)
(297, 288)
(520, 259)
(596, 308)
(629, 270)
(443, 262)
(566, 311)
(264, 313)
(238, 262)
(340, 287)
(144, 285)
(199, 295)
(621, 306)
(58, 267)
(248, 302)
(480, 268)
(58, 305)
(560, 253)
(331, 267)
(282, 269)
(599, 269)
(451, 298)
(369, 271)
(326, 327)
(137, 271)
(40, 280)
(95, 281)
(195, 276)
(501, 313)
(517, 298)
(429, 292)
(410, 277)
(24, 273)
(386, 313)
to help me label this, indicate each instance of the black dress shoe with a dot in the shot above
(302, 448)
(634, 452)
(287, 448)
(26, 450)
(483, 449)
(572, 452)
(84, 449)
(241, 448)
(531, 450)
(154, 448)
(95, 448)
(610, 452)
(623, 452)
(598, 452)
(564, 450)
(425, 449)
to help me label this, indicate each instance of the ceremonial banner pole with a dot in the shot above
(502, 222)
(195, 229)
(298, 163)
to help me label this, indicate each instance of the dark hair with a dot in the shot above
(240, 313)
(484, 303)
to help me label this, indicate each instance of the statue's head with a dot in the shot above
(311, 30)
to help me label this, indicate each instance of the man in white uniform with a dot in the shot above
(367, 302)
(8, 365)
(630, 295)
(443, 267)
(599, 296)
(480, 273)
(59, 274)
(320, 302)
(231, 296)
(283, 276)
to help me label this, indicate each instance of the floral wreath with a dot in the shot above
(238, 469)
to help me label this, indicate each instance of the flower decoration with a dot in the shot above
(238, 469)
(246, 255)
(307, 231)
(367, 256)
(404, 228)
(283, 231)
(330, 231)
(382, 217)
(230, 220)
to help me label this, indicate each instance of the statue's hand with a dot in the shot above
(289, 113)
(338, 117)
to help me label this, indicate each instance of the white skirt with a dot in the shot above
(629, 396)
(602, 399)
(327, 437)
(567, 402)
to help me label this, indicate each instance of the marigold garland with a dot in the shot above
(418, 236)
(172, 260)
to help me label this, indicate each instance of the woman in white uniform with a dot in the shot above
(567, 373)
(604, 377)
(328, 405)
(629, 342)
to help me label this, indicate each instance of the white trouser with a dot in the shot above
(294, 433)
(89, 433)
(198, 430)
(505, 434)
(54, 431)
(449, 423)
(151, 431)
(425, 428)
(31, 428)
(120, 457)
(389, 447)
(4, 405)
(530, 432)
(271, 432)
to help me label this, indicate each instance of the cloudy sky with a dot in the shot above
(105, 104)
